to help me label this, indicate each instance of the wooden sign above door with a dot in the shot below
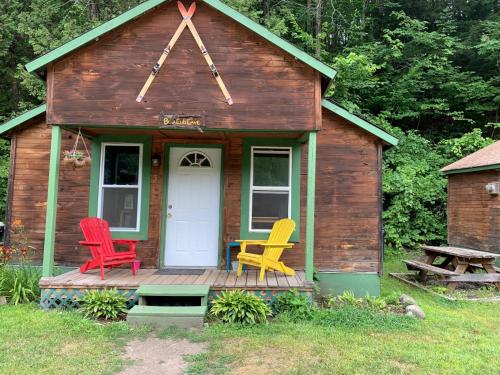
(168, 121)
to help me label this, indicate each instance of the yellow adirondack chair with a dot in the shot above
(273, 247)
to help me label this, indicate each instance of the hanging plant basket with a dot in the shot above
(77, 159)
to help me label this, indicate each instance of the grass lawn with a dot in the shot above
(33, 341)
(456, 338)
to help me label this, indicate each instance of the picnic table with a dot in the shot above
(459, 265)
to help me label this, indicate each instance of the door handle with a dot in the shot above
(169, 215)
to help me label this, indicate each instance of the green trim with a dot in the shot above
(92, 35)
(335, 283)
(148, 5)
(146, 140)
(166, 161)
(245, 185)
(360, 122)
(472, 169)
(268, 35)
(21, 119)
(51, 215)
(311, 200)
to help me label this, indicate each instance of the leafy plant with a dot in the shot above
(393, 298)
(105, 304)
(348, 298)
(20, 284)
(297, 306)
(239, 307)
(375, 303)
(439, 289)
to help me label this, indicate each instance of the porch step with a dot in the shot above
(167, 316)
(182, 306)
(192, 293)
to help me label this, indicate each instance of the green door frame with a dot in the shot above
(52, 191)
(166, 168)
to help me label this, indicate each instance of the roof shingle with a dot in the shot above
(486, 158)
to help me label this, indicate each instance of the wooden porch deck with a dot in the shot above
(217, 279)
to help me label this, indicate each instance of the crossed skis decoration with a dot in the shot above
(186, 21)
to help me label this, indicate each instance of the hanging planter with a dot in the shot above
(77, 158)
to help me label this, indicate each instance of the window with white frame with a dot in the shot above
(120, 184)
(270, 186)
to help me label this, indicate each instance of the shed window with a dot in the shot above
(120, 185)
(270, 189)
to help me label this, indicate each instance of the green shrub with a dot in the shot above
(297, 306)
(393, 298)
(239, 307)
(20, 284)
(375, 303)
(104, 304)
(346, 298)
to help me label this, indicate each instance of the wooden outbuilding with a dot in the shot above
(187, 171)
(474, 200)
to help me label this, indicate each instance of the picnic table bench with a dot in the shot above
(462, 261)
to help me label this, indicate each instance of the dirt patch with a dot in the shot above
(157, 356)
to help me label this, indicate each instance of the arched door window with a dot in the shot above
(195, 159)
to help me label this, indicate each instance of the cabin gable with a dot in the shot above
(97, 85)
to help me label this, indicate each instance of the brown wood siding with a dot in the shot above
(347, 209)
(99, 83)
(29, 194)
(347, 234)
(473, 214)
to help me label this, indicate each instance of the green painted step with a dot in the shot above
(174, 290)
(167, 316)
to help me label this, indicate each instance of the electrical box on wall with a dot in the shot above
(493, 188)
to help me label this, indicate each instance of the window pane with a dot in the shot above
(119, 207)
(268, 207)
(271, 169)
(121, 165)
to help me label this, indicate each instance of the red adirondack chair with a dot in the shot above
(102, 247)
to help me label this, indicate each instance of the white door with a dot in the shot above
(193, 201)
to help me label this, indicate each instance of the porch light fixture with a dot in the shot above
(156, 160)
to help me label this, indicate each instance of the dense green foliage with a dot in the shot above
(20, 284)
(106, 304)
(296, 305)
(239, 307)
(427, 71)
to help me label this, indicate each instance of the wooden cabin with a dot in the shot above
(186, 172)
(474, 200)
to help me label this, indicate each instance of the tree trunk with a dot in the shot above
(319, 14)
(309, 16)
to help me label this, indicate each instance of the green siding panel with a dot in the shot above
(335, 283)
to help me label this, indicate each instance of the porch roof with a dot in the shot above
(148, 5)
